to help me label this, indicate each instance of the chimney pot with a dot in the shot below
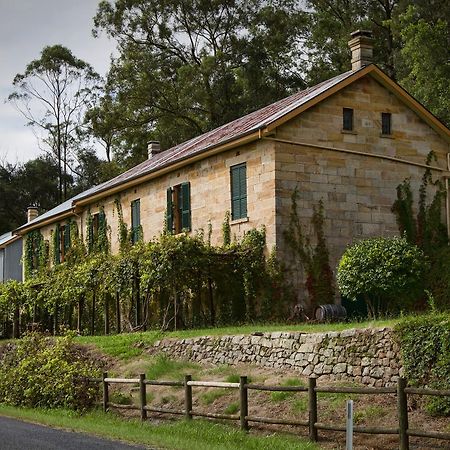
(361, 46)
(153, 148)
(32, 213)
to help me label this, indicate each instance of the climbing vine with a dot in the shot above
(312, 259)
(170, 282)
(36, 253)
(122, 231)
(427, 230)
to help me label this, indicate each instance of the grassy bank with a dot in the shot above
(179, 435)
(129, 345)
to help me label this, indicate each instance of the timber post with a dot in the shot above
(105, 391)
(402, 404)
(187, 397)
(243, 397)
(143, 396)
(312, 407)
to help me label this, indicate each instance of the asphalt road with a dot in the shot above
(17, 435)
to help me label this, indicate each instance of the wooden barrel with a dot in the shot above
(330, 313)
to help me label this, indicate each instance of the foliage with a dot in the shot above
(13, 295)
(37, 371)
(387, 272)
(425, 348)
(52, 94)
(36, 253)
(215, 62)
(170, 282)
(426, 229)
(425, 34)
(313, 259)
(22, 185)
(328, 32)
(226, 229)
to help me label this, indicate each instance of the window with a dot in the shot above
(98, 221)
(386, 119)
(238, 176)
(62, 242)
(135, 220)
(65, 241)
(179, 208)
(347, 119)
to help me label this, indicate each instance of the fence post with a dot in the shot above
(143, 396)
(105, 392)
(187, 397)
(402, 403)
(312, 402)
(243, 391)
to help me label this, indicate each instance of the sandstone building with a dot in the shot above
(348, 141)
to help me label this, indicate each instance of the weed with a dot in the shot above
(283, 395)
(370, 412)
(232, 408)
(211, 396)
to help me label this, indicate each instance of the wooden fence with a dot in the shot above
(401, 390)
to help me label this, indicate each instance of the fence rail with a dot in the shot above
(313, 425)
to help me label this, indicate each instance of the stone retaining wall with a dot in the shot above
(368, 356)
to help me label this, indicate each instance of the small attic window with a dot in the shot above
(347, 119)
(386, 124)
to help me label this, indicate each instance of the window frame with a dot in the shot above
(348, 114)
(386, 124)
(179, 212)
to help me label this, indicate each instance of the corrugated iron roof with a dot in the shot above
(61, 208)
(228, 132)
(6, 238)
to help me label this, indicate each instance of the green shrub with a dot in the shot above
(425, 348)
(39, 371)
(387, 272)
(438, 278)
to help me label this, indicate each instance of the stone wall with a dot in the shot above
(357, 190)
(368, 356)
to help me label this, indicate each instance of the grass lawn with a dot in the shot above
(130, 345)
(179, 435)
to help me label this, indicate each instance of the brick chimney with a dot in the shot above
(32, 213)
(361, 46)
(153, 148)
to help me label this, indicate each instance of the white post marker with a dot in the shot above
(349, 428)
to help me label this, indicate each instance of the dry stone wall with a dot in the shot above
(368, 356)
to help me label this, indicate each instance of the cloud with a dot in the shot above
(26, 26)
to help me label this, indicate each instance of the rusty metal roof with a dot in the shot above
(228, 132)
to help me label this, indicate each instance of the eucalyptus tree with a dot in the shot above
(52, 94)
(185, 67)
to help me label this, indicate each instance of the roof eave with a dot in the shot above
(48, 220)
(236, 141)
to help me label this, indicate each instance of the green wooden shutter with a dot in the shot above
(135, 219)
(238, 192)
(185, 206)
(57, 248)
(66, 237)
(243, 190)
(169, 212)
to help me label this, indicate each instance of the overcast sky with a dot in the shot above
(26, 26)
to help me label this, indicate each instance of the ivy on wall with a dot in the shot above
(311, 258)
(170, 282)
